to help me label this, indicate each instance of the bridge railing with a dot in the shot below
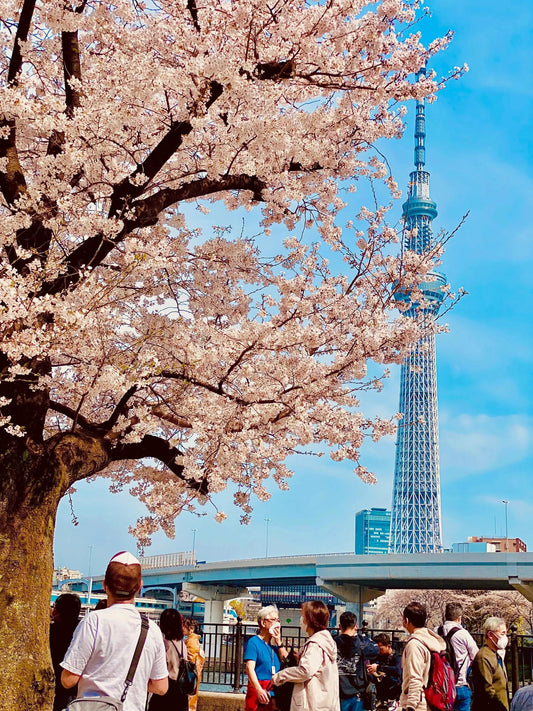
(224, 647)
(169, 560)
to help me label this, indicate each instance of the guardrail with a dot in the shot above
(224, 646)
(169, 560)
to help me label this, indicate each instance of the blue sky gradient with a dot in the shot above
(479, 156)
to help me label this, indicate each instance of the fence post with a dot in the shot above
(515, 682)
(237, 657)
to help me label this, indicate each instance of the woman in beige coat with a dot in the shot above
(316, 678)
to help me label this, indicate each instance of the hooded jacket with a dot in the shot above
(353, 652)
(316, 679)
(416, 660)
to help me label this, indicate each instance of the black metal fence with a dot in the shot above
(224, 648)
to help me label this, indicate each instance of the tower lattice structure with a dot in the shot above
(416, 519)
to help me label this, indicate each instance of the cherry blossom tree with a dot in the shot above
(133, 346)
(477, 606)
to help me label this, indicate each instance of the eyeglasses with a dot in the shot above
(271, 619)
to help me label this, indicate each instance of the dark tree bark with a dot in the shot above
(33, 477)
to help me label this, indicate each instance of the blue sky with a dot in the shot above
(479, 156)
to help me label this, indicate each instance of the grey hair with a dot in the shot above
(266, 611)
(491, 624)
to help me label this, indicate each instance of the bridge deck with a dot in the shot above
(479, 571)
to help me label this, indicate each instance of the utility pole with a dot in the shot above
(90, 585)
(267, 521)
(505, 502)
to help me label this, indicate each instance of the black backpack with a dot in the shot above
(450, 651)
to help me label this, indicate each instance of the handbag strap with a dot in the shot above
(136, 655)
(181, 655)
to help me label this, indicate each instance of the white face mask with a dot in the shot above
(501, 642)
(303, 626)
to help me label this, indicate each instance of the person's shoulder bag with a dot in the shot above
(187, 679)
(108, 703)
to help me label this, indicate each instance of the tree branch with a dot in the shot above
(173, 418)
(21, 35)
(120, 409)
(191, 7)
(97, 428)
(91, 427)
(126, 191)
(219, 390)
(12, 182)
(151, 447)
(95, 249)
(35, 238)
(148, 210)
(71, 69)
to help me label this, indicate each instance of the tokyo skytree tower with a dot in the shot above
(415, 523)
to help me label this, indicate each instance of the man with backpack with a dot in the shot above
(461, 650)
(425, 675)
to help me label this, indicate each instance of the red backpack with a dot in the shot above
(440, 690)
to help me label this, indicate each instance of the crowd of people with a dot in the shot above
(117, 653)
(353, 672)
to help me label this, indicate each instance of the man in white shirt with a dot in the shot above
(102, 648)
(465, 649)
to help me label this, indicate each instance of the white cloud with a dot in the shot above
(470, 444)
(482, 345)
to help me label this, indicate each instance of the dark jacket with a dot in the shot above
(352, 655)
(389, 686)
(60, 638)
(489, 682)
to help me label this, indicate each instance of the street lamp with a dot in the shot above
(90, 585)
(504, 501)
(267, 521)
(194, 540)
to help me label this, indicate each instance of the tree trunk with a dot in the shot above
(33, 477)
(26, 566)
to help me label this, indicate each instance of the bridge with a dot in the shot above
(353, 578)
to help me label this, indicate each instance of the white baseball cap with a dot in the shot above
(125, 558)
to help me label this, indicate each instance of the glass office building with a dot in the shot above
(372, 531)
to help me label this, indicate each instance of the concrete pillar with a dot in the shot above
(214, 612)
(525, 587)
(214, 597)
(214, 591)
(354, 595)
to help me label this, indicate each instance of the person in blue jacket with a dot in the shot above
(387, 672)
